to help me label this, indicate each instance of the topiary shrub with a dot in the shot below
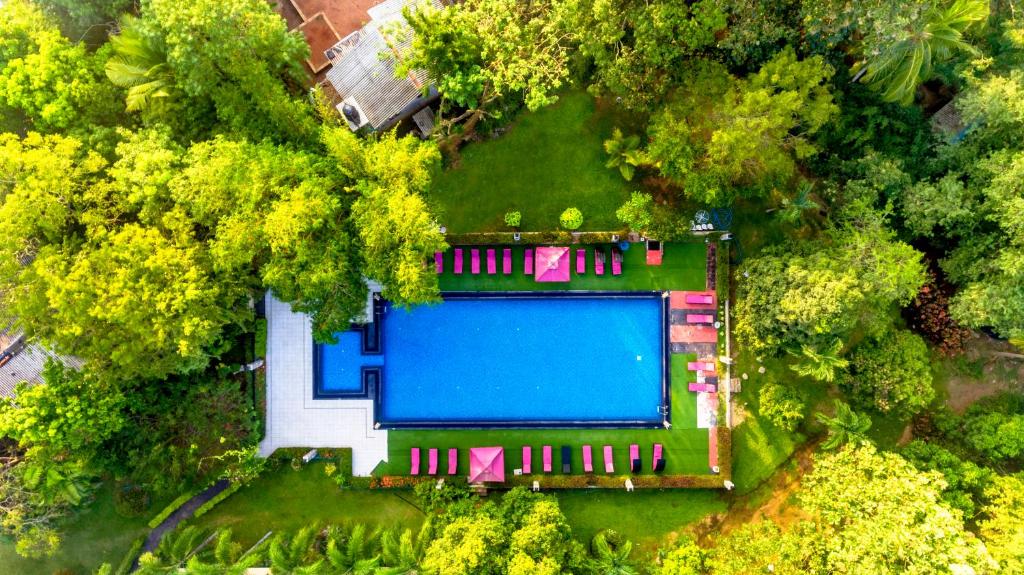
(781, 405)
(571, 218)
(513, 218)
(131, 500)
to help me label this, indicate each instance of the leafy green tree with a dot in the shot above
(610, 554)
(761, 547)
(965, 480)
(936, 36)
(85, 13)
(685, 558)
(571, 218)
(1002, 523)
(757, 29)
(995, 435)
(878, 514)
(794, 209)
(891, 374)
(636, 212)
(820, 365)
(781, 405)
(468, 545)
(846, 426)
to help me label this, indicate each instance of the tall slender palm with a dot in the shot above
(820, 365)
(140, 65)
(401, 555)
(353, 550)
(898, 70)
(295, 554)
(226, 558)
(610, 554)
(793, 209)
(846, 426)
(175, 548)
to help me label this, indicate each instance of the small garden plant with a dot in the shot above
(513, 218)
(571, 219)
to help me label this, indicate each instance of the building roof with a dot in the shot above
(21, 360)
(363, 73)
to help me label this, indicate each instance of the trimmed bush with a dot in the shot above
(205, 507)
(571, 219)
(513, 218)
(125, 567)
(171, 508)
(131, 500)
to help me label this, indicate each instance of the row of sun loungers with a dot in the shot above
(657, 463)
(453, 461)
(506, 261)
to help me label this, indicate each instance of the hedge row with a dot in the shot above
(125, 567)
(725, 452)
(216, 499)
(171, 508)
(557, 481)
(555, 237)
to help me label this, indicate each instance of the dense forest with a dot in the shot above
(163, 164)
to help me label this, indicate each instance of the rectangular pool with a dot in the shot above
(515, 360)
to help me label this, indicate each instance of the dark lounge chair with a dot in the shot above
(566, 459)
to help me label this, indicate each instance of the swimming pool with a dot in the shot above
(513, 360)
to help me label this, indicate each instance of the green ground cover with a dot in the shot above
(644, 516)
(548, 161)
(683, 267)
(94, 536)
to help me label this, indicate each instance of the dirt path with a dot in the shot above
(997, 374)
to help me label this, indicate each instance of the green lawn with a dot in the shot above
(285, 500)
(94, 536)
(548, 161)
(683, 267)
(644, 516)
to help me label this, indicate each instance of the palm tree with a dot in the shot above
(937, 36)
(611, 554)
(624, 153)
(175, 548)
(294, 555)
(820, 365)
(227, 558)
(847, 426)
(353, 550)
(55, 485)
(793, 209)
(140, 64)
(401, 555)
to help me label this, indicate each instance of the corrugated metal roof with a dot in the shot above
(27, 364)
(365, 73)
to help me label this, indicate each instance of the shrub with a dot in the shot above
(891, 374)
(571, 218)
(513, 218)
(636, 213)
(131, 500)
(171, 508)
(205, 507)
(781, 405)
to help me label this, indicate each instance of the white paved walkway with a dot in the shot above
(294, 418)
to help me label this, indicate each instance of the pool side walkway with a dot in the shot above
(294, 419)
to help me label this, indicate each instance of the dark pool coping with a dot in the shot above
(373, 381)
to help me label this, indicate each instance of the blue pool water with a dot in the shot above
(340, 364)
(550, 359)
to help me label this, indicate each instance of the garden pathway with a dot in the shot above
(182, 513)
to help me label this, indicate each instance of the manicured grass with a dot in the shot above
(94, 536)
(285, 500)
(683, 267)
(644, 516)
(548, 161)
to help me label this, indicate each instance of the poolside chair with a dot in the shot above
(609, 463)
(699, 318)
(700, 298)
(458, 261)
(453, 461)
(599, 261)
(414, 454)
(616, 261)
(588, 459)
(701, 366)
(634, 458)
(506, 261)
(527, 460)
(581, 262)
(547, 458)
(566, 459)
(432, 462)
(492, 264)
(658, 460)
(528, 262)
(703, 387)
(474, 261)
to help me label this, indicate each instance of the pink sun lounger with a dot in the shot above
(474, 261)
(609, 463)
(438, 262)
(599, 261)
(528, 262)
(581, 261)
(458, 261)
(658, 460)
(699, 318)
(634, 458)
(547, 459)
(414, 454)
(432, 462)
(701, 366)
(527, 460)
(588, 459)
(506, 261)
(700, 298)
(703, 387)
(453, 461)
(616, 261)
(492, 265)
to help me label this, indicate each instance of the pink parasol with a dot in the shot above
(552, 264)
(486, 464)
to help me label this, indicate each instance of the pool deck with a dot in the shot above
(294, 418)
